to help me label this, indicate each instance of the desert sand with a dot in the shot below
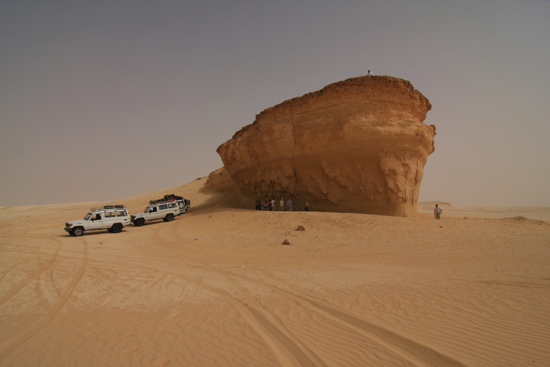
(216, 287)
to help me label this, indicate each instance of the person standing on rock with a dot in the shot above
(289, 204)
(437, 211)
(282, 205)
(258, 203)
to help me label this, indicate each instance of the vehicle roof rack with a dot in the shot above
(107, 207)
(161, 201)
(167, 199)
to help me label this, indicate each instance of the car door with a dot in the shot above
(109, 218)
(163, 210)
(96, 221)
(154, 213)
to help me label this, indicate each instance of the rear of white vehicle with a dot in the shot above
(111, 217)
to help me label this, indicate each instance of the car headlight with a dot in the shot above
(68, 225)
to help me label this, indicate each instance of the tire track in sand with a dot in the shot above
(415, 353)
(11, 344)
(277, 339)
(288, 349)
(277, 329)
(47, 265)
(281, 340)
(143, 293)
(410, 350)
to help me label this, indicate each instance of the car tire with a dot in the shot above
(116, 228)
(139, 222)
(169, 218)
(78, 231)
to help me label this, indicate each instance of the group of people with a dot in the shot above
(270, 205)
(289, 207)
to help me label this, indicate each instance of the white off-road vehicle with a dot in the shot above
(157, 209)
(111, 217)
(183, 204)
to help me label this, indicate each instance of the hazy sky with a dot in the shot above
(101, 100)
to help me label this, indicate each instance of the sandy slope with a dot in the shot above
(215, 287)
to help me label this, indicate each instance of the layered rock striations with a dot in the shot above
(358, 145)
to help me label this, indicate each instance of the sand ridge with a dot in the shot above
(217, 287)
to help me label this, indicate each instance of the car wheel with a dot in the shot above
(116, 228)
(169, 218)
(139, 222)
(78, 231)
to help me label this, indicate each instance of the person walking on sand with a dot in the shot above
(282, 205)
(265, 205)
(437, 211)
(258, 203)
(307, 206)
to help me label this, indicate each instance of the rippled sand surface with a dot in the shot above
(216, 287)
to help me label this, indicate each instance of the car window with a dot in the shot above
(120, 213)
(109, 214)
(163, 206)
(172, 205)
(88, 216)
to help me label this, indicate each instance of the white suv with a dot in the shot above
(183, 204)
(165, 210)
(111, 217)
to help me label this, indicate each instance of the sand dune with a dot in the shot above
(216, 287)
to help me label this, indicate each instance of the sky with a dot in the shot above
(102, 100)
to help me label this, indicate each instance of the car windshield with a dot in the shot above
(88, 216)
(147, 209)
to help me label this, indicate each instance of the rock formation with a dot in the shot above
(358, 145)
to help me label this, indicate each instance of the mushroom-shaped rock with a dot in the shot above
(359, 145)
